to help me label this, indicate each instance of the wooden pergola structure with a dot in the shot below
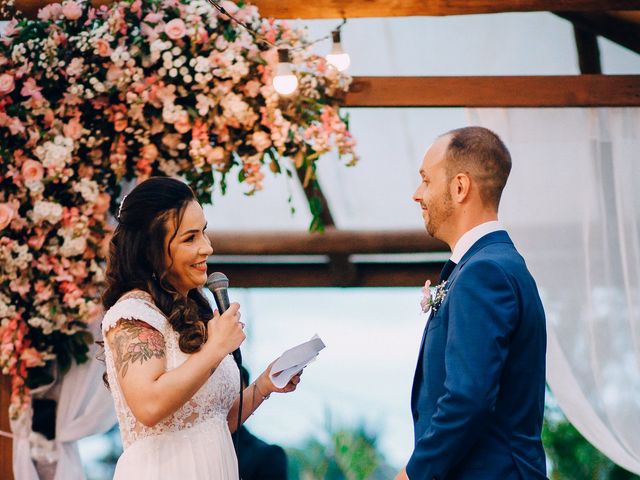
(337, 257)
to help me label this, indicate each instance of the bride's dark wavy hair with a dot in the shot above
(136, 258)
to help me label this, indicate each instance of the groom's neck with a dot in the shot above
(465, 222)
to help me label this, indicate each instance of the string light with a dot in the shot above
(285, 82)
(338, 57)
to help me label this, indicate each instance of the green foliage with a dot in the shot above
(346, 454)
(571, 456)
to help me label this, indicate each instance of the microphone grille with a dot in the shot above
(217, 280)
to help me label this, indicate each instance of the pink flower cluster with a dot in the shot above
(89, 97)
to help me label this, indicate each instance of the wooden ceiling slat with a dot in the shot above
(321, 275)
(405, 8)
(622, 28)
(491, 91)
(397, 8)
(332, 242)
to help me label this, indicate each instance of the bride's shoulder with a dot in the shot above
(134, 305)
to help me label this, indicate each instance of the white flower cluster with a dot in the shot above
(235, 108)
(7, 310)
(56, 154)
(171, 112)
(35, 186)
(97, 271)
(45, 325)
(73, 244)
(46, 211)
(19, 53)
(13, 259)
(89, 189)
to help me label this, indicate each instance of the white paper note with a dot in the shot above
(294, 360)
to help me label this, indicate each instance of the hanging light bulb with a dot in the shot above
(338, 57)
(285, 82)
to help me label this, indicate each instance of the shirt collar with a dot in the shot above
(467, 240)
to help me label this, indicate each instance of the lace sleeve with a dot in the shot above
(133, 309)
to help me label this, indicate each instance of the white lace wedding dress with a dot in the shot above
(194, 443)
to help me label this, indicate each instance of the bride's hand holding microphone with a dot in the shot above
(225, 333)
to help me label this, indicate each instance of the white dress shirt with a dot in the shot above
(467, 240)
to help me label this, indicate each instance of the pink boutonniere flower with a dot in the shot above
(431, 300)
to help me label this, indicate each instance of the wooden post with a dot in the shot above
(6, 444)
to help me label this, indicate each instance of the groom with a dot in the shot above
(478, 390)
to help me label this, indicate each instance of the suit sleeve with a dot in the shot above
(483, 313)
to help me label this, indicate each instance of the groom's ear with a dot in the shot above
(460, 187)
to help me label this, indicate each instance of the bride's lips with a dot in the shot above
(201, 267)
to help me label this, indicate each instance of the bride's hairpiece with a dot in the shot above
(120, 207)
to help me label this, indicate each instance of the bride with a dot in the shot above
(173, 380)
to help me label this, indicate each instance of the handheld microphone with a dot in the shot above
(218, 284)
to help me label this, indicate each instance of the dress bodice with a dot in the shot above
(213, 400)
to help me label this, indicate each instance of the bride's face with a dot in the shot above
(187, 252)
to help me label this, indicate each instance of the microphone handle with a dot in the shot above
(221, 296)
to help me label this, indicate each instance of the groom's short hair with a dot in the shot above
(479, 153)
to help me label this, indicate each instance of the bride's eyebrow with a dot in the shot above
(194, 230)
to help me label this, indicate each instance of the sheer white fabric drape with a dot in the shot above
(84, 408)
(573, 208)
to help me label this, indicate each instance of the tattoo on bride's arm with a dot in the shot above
(136, 342)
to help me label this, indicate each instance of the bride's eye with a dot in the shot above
(189, 239)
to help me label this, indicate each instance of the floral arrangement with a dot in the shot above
(91, 97)
(431, 300)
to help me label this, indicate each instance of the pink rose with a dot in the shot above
(102, 47)
(6, 215)
(175, 29)
(261, 140)
(229, 6)
(171, 140)
(252, 88)
(31, 357)
(72, 10)
(120, 122)
(32, 170)
(154, 17)
(182, 124)
(114, 73)
(6, 84)
(216, 155)
(102, 203)
(149, 152)
(31, 89)
(11, 28)
(247, 14)
(50, 12)
(73, 129)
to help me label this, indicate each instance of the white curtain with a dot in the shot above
(572, 206)
(85, 407)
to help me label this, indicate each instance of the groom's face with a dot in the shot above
(433, 193)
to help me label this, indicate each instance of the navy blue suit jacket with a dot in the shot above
(478, 391)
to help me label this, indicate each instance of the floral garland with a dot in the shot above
(91, 97)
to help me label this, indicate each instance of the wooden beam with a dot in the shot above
(261, 275)
(621, 29)
(6, 444)
(406, 8)
(588, 51)
(332, 242)
(488, 91)
(396, 8)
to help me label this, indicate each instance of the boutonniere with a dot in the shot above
(431, 300)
